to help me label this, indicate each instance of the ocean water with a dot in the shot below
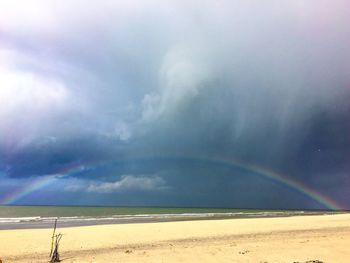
(44, 216)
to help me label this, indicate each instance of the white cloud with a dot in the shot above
(74, 187)
(28, 102)
(182, 75)
(126, 183)
(28, 91)
(27, 15)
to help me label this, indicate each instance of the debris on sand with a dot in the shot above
(310, 261)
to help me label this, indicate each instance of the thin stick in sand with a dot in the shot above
(53, 237)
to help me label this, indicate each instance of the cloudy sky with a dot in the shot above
(175, 103)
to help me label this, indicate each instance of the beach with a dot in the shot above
(282, 239)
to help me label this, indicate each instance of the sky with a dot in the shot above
(221, 103)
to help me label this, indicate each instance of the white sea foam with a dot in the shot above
(18, 219)
(143, 217)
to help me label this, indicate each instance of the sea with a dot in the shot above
(16, 217)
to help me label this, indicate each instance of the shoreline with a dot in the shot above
(277, 239)
(65, 222)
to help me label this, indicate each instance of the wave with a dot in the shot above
(146, 217)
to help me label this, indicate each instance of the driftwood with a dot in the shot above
(55, 241)
(53, 237)
(55, 255)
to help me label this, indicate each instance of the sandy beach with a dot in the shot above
(289, 239)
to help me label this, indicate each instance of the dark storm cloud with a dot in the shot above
(139, 88)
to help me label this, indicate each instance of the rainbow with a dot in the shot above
(284, 180)
(43, 181)
(269, 174)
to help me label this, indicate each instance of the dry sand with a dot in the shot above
(289, 239)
